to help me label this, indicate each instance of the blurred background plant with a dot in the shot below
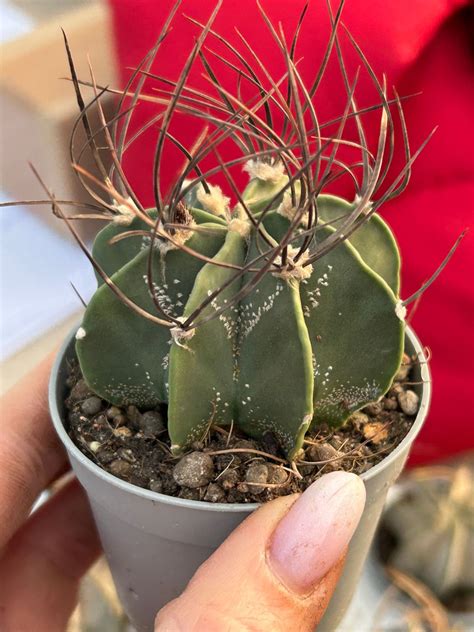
(429, 533)
(426, 546)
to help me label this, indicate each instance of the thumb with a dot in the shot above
(278, 569)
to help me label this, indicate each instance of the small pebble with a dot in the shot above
(337, 441)
(325, 452)
(306, 470)
(120, 420)
(376, 432)
(359, 420)
(156, 486)
(127, 455)
(91, 405)
(151, 423)
(235, 496)
(95, 446)
(170, 487)
(123, 432)
(106, 456)
(277, 475)
(229, 479)
(134, 416)
(80, 391)
(194, 470)
(120, 468)
(362, 450)
(113, 412)
(214, 493)
(100, 421)
(395, 389)
(75, 418)
(374, 409)
(257, 473)
(409, 402)
(404, 369)
(225, 461)
(390, 403)
(189, 494)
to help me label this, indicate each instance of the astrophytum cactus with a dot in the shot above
(311, 342)
(272, 313)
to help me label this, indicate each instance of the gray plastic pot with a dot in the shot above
(154, 543)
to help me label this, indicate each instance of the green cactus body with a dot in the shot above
(123, 356)
(306, 346)
(113, 257)
(202, 369)
(374, 241)
(347, 301)
(275, 378)
(259, 192)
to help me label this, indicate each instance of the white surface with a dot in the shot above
(36, 263)
(36, 267)
(13, 22)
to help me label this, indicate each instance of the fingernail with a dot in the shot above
(316, 531)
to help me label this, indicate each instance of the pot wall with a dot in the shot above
(154, 543)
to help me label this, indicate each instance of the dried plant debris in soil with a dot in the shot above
(226, 466)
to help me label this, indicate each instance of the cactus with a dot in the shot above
(311, 343)
(274, 313)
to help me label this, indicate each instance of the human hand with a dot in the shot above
(278, 570)
(44, 555)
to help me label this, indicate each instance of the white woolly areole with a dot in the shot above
(286, 208)
(241, 226)
(366, 208)
(80, 333)
(180, 336)
(125, 213)
(269, 172)
(400, 310)
(240, 222)
(180, 237)
(294, 271)
(215, 202)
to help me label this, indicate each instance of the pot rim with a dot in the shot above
(223, 507)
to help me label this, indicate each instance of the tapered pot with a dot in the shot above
(154, 543)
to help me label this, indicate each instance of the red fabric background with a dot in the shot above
(421, 45)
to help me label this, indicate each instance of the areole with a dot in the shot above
(154, 543)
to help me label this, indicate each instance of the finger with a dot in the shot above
(44, 561)
(31, 455)
(278, 570)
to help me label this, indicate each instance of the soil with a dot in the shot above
(226, 466)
